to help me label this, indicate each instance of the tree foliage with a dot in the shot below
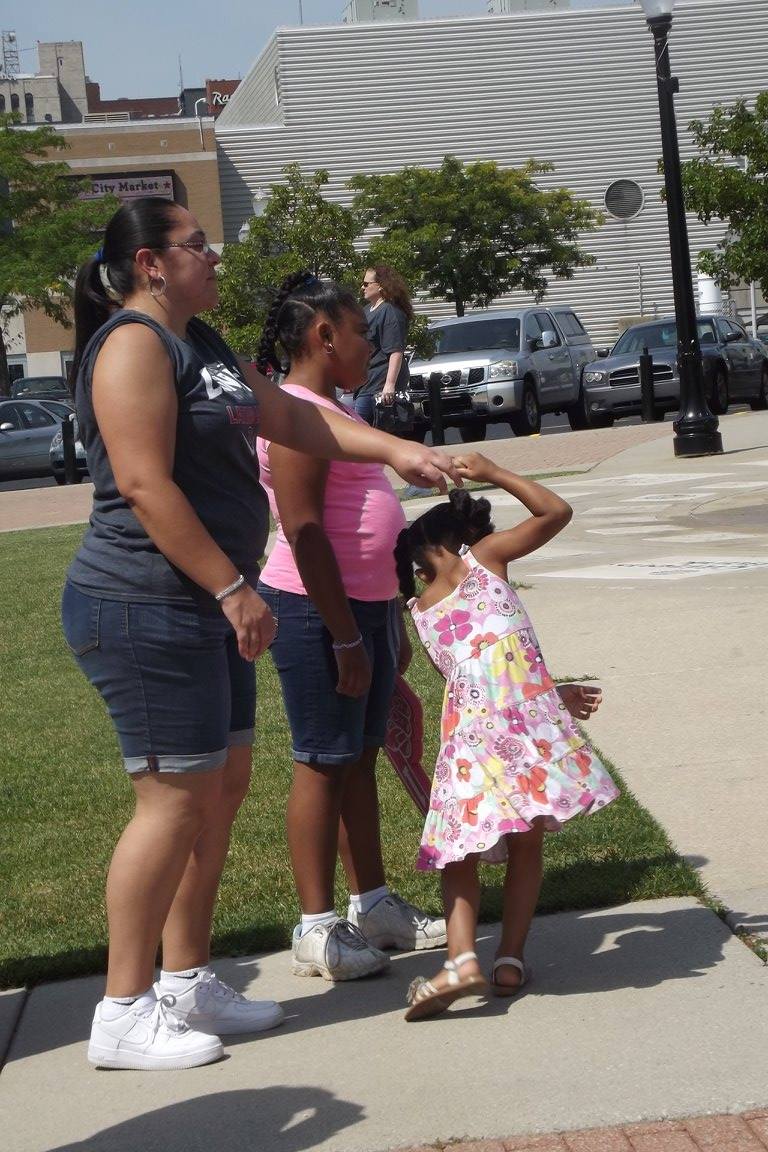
(718, 186)
(298, 229)
(46, 230)
(469, 233)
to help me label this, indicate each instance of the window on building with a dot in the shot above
(2, 103)
(14, 102)
(29, 102)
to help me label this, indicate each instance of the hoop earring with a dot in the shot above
(161, 284)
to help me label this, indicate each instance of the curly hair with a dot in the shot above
(461, 520)
(393, 288)
(299, 298)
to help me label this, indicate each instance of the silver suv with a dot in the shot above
(504, 366)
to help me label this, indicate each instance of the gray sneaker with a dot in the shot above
(337, 951)
(394, 923)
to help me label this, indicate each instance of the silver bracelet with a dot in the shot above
(338, 647)
(235, 586)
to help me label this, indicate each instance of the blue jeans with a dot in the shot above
(326, 727)
(177, 690)
(364, 406)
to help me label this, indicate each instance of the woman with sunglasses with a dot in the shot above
(388, 312)
(161, 613)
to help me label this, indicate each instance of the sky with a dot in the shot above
(133, 49)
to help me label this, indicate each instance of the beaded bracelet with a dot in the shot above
(338, 647)
(235, 586)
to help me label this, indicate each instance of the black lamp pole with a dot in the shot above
(696, 427)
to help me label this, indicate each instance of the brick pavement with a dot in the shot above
(745, 1133)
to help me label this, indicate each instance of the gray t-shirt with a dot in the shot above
(387, 333)
(214, 466)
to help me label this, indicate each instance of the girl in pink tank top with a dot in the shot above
(332, 587)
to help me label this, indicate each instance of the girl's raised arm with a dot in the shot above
(549, 513)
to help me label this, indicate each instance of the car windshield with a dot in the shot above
(38, 384)
(478, 335)
(656, 336)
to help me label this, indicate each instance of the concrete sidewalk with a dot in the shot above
(636, 1014)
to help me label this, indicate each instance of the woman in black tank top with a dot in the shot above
(161, 613)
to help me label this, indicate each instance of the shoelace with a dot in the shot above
(349, 935)
(417, 917)
(161, 1015)
(215, 987)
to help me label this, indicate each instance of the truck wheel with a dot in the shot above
(527, 422)
(473, 430)
(577, 413)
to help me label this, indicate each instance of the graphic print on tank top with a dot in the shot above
(219, 379)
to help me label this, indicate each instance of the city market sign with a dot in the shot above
(130, 187)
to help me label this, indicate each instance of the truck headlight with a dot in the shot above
(595, 377)
(502, 370)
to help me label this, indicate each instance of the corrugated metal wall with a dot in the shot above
(574, 88)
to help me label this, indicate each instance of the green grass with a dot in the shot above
(65, 799)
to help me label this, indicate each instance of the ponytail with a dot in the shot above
(472, 516)
(107, 277)
(267, 351)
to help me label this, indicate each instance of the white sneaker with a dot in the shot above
(211, 1006)
(148, 1036)
(335, 951)
(394, 923)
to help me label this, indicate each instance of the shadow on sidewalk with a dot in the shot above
(570, 953)
(271, 1119)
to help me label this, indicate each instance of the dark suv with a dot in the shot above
(40, 388)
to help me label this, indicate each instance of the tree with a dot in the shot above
(298, 229)
(469, 233)
(736, 193)
(46, 230)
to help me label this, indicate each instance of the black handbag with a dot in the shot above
(397, 417)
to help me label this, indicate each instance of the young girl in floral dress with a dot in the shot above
(512, 764)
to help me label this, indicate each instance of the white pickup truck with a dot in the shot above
(507, 365)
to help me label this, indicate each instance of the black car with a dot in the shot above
(735, 370)
(40, 388)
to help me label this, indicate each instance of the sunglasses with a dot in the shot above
(369, 283)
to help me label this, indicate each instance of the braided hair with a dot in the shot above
(299, 298)
(462, 520)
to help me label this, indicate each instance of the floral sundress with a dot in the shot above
(510, 752)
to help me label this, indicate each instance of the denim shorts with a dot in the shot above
(177, 690)
(326, 727)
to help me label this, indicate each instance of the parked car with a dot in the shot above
(40, 388)
(26, 430)
(735, 370)
(503, 366)
(57, 455)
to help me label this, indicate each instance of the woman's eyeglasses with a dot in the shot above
(201, 246)
(369, 283)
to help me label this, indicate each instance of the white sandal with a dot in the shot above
(427, 1000)
(509, 989)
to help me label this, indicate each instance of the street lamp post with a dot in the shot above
(258, 205)
(696, 428)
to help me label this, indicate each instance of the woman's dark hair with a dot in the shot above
(462, 520)
(141, 223)
(299, 298)
(393, 288)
